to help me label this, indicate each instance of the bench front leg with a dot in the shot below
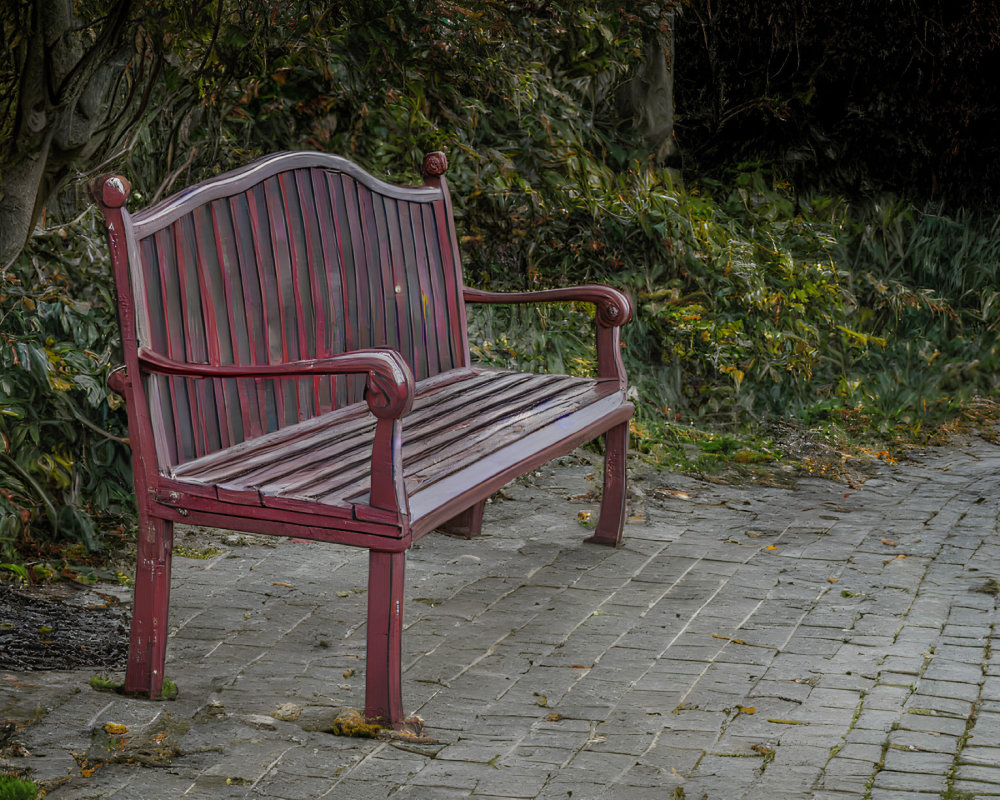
(383, 673)
(148, 641)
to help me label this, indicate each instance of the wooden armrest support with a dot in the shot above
(613, 307)
(613, 311)
(388, 392)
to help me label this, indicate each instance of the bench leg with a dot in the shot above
(148, 642)
(612, 518)
(383, 679)
(468, 524)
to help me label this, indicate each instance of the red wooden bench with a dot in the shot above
(297, 364)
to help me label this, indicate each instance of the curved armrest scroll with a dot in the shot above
(613, 307)
(613, 311)
(388, 391)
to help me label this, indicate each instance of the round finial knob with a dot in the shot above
(111, 191)
(435, 163)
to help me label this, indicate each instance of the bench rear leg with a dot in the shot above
(383, 678)
(148, 641)
(612, 517)
(468, 524)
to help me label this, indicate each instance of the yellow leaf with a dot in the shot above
(770, 547)
(748, 710)
(115, 728)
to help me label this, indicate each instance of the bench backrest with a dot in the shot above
(297, 255)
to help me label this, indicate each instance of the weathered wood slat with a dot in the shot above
(176, 400)
(412, 305)
(252, 337)
(340, 530)
(300, 324)
(233, 348)
(312, 274)
(342, 441)
(217, 324)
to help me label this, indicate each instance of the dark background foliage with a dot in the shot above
(850, 96)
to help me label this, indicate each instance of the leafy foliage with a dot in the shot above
(63, 455)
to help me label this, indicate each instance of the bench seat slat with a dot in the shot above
(341, 450)
(347, 463)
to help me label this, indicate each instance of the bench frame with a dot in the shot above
(384, 525)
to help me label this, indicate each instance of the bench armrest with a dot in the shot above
(613, 307)
(613, 311)
(388, 392)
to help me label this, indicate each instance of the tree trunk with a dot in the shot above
(650, 94)
(64, 101)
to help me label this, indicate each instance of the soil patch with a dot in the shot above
(46, 628)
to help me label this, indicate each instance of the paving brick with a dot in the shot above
(915, 761)
(909, 781)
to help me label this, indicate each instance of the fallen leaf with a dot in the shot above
(833, 580)
(748, 710)
(286, 585)
(553, 717)
(889, 542)
(770, 547)
(115, 728)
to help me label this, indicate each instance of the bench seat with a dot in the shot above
(471, 429)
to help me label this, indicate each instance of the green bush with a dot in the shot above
(63, 458)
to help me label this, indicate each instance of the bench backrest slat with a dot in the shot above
(298, 256)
